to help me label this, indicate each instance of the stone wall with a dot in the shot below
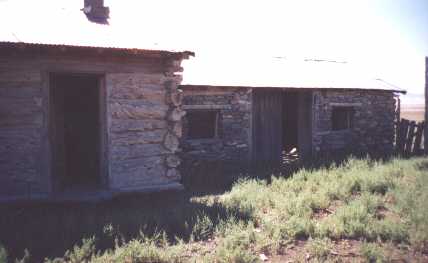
(234, 133)
(373, 129)
(142, 115)
(372, 132)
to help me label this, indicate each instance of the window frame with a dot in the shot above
(215, 125)
(350, 118)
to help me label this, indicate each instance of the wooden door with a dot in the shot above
(267, 127)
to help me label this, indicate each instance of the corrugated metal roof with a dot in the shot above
(59, 23)
(63, 23)
(262, 72)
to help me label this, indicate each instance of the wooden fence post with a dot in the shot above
(418, 138)
(426, 107)
(410, 135)
(402, 135)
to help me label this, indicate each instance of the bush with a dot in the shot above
(372, 253)
(298, 227)
(319, 248)
(235, 246)
(83, 253)
(391, 230)
(202, 229)
(412, 204)
(155, 249)
(353, 220)
(247, 197)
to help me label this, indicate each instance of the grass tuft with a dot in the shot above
(320, 248)
(372, 253)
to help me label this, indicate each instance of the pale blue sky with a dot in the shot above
(409, 17)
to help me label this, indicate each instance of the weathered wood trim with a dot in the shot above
(104, 132)
(313, 122)
(80, 65)
(250, 129)
(46, 154)
(207, 107)
(207, 140)
(344, 131)
(345, 104)
(217, 119)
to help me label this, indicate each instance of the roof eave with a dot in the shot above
(22, 47)
(289, 87)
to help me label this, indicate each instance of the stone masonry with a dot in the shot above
(372, 132)
(234, 124)
(373, 129)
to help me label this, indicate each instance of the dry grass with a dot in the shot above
(361, 210)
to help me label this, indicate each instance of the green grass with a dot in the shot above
(372, 253)
(320, 248)
(363, 200)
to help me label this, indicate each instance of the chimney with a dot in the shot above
(96, 11)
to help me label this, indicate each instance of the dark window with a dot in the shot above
(202, 124)
(342, 118)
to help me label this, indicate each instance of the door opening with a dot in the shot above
(281, 127)
(290, 113)
(75, 130)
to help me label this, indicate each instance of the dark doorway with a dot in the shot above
(297, 127)
(290, 118)
(281, 127)
(75, 130)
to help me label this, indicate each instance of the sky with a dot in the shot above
(385, 38)
(388, 38)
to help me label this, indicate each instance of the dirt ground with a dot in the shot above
(413, 112)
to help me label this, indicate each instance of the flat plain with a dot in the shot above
(414, 112)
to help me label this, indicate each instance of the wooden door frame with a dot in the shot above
(102, 118)
(311, 124)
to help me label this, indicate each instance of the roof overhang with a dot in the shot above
(195, 86)
(16, 48)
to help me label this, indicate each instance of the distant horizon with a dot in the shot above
(413, 99)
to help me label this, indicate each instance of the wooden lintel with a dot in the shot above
(207, 107)
(346, 104)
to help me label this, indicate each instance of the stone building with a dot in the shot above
(83, 113)
(272, 113)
